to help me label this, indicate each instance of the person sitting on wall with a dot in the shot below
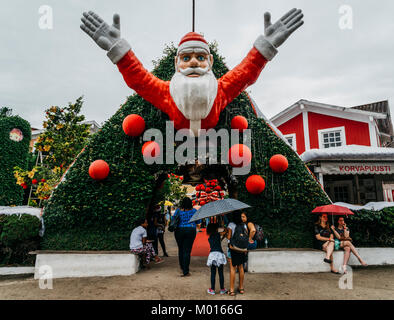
(140, 246)
(324, 240)
(343, 241)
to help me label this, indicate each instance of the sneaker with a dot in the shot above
(210, 291)
(223, 291)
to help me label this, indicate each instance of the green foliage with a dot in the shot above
(5, 112)
(100, 215)
(13, 153)
(18, 236)
(372, 228)
(64, 135)
(173, 190)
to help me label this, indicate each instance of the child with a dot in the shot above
(216, 258)
(142, 247)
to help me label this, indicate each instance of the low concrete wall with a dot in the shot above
(85, 264)
(6, 271)
(307, 260)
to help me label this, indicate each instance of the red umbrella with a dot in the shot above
(333, 210)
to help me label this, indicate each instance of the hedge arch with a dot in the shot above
(12, 154)
(83, 214)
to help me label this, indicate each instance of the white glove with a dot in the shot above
(107, 37)
(277, 33)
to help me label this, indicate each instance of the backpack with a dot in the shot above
(259, 235)
(240, 239)
(174, 222)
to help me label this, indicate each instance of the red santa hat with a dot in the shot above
(193, 40)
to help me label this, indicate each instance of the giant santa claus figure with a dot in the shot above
(193, 98)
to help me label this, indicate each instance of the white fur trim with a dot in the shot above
(265, 47)
(193, 44)
(118, 50)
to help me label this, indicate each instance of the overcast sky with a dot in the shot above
(319, 62)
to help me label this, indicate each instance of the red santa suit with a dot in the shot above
(157, 91)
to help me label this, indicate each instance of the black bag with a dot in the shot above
(174, 222)
(240, 239)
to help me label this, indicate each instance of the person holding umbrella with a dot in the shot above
(324, 240)
(344, 242)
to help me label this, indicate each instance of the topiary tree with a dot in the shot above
(15, 136)
(86, 214)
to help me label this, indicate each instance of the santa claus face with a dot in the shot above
(194, 63)
(194, 86)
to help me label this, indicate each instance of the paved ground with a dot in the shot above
(163, 281)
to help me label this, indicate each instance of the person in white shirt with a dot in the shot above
(140, 246)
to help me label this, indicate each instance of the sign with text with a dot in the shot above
(357, 168)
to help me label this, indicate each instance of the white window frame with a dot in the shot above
(322, 131)
(293, 136)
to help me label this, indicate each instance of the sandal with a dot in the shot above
(241, 291)
(231, 293)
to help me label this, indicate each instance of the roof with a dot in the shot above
(350, 152)
(385, 126)
(302, 103)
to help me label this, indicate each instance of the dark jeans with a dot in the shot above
(213, 276)
(160, 237)
(184, 238)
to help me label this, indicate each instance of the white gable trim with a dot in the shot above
(325, 109)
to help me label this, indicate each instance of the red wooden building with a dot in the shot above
(329, 138)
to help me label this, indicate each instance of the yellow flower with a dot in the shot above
(59, 126)
(47, 147)
(31, 173)
(45, 124)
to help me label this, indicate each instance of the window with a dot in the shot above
(291, 139)
(331, 138)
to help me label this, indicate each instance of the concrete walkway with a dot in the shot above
(163, 281)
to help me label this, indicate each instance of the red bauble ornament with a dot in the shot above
(255, 184)
(208, 190)
(202, 202)
(151, 149)
(239, 155)
(218, 188)
(239, 122)
(133, 125)
(43, 180)
(34, 181)
(279, 163)
(99, 170)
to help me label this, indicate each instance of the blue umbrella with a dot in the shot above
(218, 207)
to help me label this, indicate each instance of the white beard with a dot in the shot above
(194, 96)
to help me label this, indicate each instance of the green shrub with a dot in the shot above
(18, 236)
(84, 214)
(13, 153)
(372, 228)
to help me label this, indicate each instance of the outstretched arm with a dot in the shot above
(119, 51)
(264, 49)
